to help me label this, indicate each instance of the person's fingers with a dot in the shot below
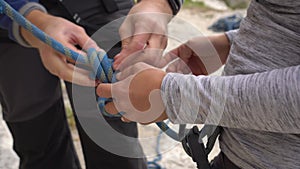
(104, 90)
(126, 29)
(76, 75)
(164, 42)
(150, 56)
(124, 119)
(83, 40)
(159, 119)
(118, 58)
(137, 43)
(155, 41)
(130, 60)
(173, 66)
(111, 108)
(167, 59)
(72, 47)
(184, 53)
(136, 68)
(58, 66)
(178, 66)
(171, 55)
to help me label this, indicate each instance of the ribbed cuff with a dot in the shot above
(25, 10)
(231, 35)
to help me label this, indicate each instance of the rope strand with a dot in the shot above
(101, 64)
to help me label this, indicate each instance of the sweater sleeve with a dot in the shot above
(23, 7)
(268, 101)
(231, 35)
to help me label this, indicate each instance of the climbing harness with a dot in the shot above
(194, 144)
(102, 70)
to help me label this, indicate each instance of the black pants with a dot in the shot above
(45, 141)
(95, 156)
(33, 110)
(27, 91)
(222, 162)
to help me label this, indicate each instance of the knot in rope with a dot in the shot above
(99, 62)
(102, 70)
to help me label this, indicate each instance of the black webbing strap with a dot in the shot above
(194, 146)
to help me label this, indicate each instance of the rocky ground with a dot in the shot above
(173, 156)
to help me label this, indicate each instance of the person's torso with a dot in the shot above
(90, 14)
(269, 38)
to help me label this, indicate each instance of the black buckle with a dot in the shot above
(195, 149)
(194, 146)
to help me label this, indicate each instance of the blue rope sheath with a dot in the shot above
(99, 61)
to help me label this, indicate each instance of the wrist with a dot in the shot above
(25, 10)
(40, 20)
(222, 46)
(163, 5)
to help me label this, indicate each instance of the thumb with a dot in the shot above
(119, 57)
(104, 90)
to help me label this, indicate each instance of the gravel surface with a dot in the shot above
(8, 158)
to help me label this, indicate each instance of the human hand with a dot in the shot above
(144, 27)
(69, 35)
(150, 56)
(137, 94)
(199, 56)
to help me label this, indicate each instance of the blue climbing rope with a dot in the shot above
(100, 63)
(154, 163)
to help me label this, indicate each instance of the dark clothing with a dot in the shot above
(27, 90)
(222, 162)
(44, 142)
(97, 157)
(33, 110)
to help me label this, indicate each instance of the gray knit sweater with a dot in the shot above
(257, 101)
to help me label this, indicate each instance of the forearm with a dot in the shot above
(268, 101)
(221, 44)
(210, 53)
(148, 6)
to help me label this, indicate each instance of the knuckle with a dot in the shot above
(61, 74)
(80, 29)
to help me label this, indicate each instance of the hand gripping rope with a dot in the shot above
(102, 70)
(100, 63)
